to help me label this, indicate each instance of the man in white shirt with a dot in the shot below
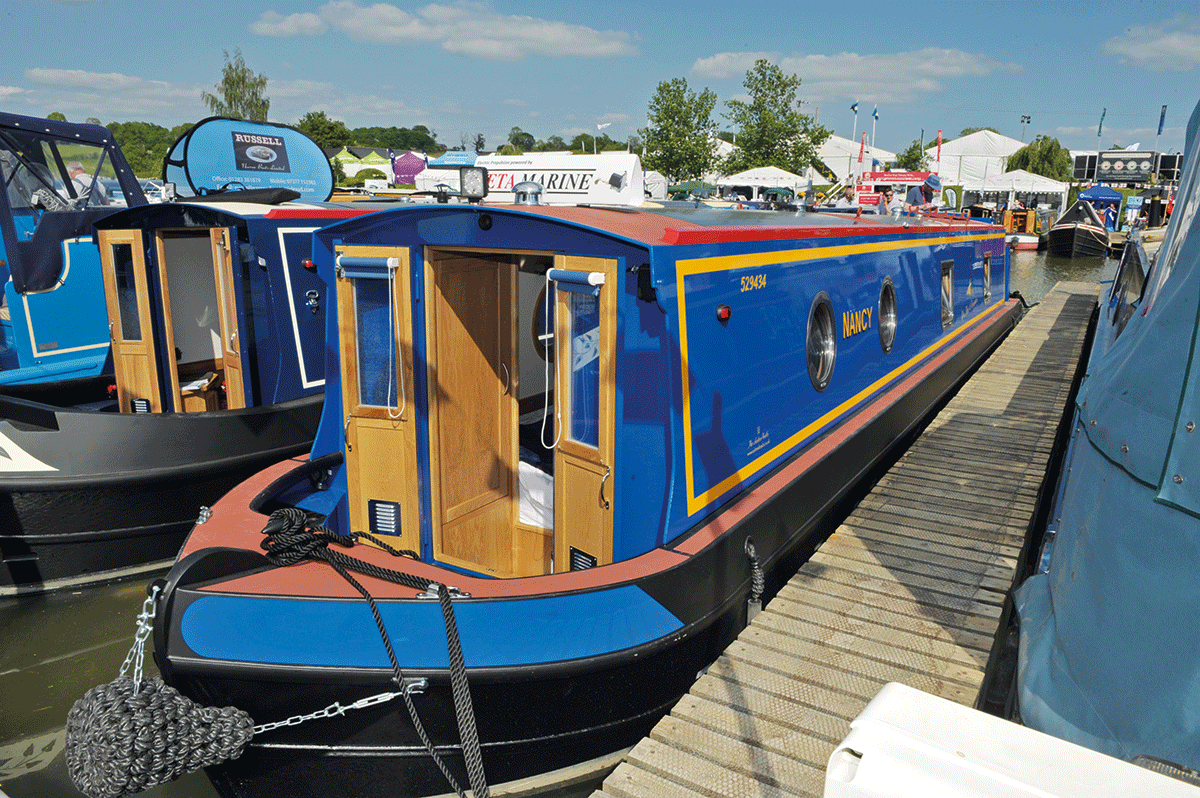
(90, 190)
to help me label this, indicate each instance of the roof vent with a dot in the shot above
(527, 193)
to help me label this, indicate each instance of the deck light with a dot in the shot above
(473, 182)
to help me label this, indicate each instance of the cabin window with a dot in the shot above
(584, 334)
(987, 279)
(947, 293)
(887, 315)
(821, 343)
(373, 326)
(127, 303)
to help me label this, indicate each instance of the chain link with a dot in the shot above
(136, 655)
(334, 709)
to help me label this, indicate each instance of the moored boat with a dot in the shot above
(54, 343)
(1106, 656)
(1078, 233)
(217, 334)
(611, 430)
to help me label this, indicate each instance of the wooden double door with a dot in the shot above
(473, 377)
(192, 285)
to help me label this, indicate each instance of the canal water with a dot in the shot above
(56, 647)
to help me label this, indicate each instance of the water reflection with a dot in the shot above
(57, 647)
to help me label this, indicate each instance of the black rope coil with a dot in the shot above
(123, 737)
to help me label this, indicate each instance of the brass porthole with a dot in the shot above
(821, 342)
(887, 315)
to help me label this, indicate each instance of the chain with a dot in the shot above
(145, 626)
(335, 709)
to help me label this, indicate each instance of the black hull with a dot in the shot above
(126, 489)
(64, 393)
(535, 719)
(1077, 241)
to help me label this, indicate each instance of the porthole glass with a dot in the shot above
(887, 315)
(821, 344)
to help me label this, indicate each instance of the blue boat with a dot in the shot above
(217, 332)
(612, 431)
(53, 326)
(1108, 654)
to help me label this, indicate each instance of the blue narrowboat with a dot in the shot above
(59, 178)
(217, 331)
(564, 451)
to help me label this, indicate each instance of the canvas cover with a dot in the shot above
(1109, 655)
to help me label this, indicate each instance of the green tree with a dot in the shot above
(57, 116)
(91, 120)
(520, 140)
(144, 145)
(771, 129)
(1044, 156)
(966, 131)
(240, 90)
(679, 132)
(914, 158)
(479, 145)
(324, 131)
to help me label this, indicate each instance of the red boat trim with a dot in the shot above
(318, 213)
(860, 226)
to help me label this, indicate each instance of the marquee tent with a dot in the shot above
(761, 178)
(406, 167)
(973, 157)
(841, 156)
(1021, 184)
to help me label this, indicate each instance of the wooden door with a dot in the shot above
(585, 338)
(375, 345)
(130, 326)
(231, 345)
(471, 337)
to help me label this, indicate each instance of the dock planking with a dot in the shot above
(909, 588)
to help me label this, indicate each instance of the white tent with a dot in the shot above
(656, 185)
(973, 157)
(1021, 185)
(841, 156)
(761, 178)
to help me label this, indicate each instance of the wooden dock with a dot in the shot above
(910, 588)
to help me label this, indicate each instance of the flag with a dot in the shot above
(876, 113)
(1102, 113)
(854, 108)
(1162, 117)
(862, 147)
(601, 127)
(939, 150)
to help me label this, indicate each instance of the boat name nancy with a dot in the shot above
(854, 322)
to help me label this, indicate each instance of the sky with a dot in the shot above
(463, 68)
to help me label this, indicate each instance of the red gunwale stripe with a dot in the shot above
(234, 524)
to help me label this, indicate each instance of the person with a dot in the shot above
(847, 199)
(920, 198)
(90, 191)
(888, 203)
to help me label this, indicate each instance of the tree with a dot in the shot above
(57, 116)
(241, 92)
(479, 144)
(1044, 156)
(324, 131)
(520, 140)
(966, 131)
(679, 132)
(771, 129)
(91, 120)
(914, 158)
(145, 144)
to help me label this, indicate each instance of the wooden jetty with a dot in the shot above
(910, 588)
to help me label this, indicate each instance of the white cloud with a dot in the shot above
(9, 91)
(271, 23)
(895, 77)
(78, 79)
(516, 103)
(727, 65)
(300, 88)
(1173, 45)
(466, 29)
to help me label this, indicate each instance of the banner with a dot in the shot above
(939, 150)
(862, 148)
(1162, 117)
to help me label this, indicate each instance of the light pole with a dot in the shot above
(1025, 120)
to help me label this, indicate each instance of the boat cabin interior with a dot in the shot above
(175, 322)
(516, 345)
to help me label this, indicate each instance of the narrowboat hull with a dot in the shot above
(89, 496)
(549, 690)
(1077, 241)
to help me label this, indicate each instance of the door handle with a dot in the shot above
(604, 501)
(507, 380)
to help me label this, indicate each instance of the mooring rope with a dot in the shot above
(134, 733)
